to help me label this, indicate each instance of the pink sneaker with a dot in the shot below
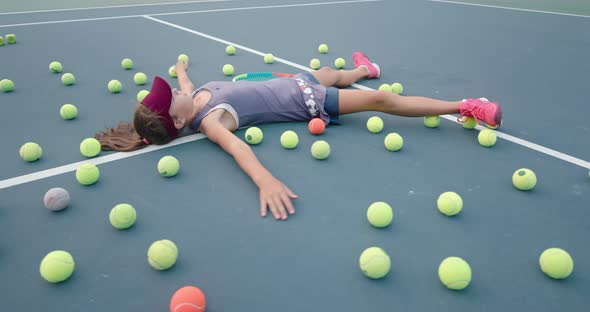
(482, 110)
(360, 59)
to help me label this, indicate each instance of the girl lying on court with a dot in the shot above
(218, 108)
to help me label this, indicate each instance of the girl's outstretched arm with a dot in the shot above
(274, 195)
(186, 85)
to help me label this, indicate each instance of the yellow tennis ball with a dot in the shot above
(30, 151)
(127, 63)
(90, 147)
(183, 58)
(315, 64)
(1, 41)
(168, 166)
(68, 111)
(172, 71)
(55, 67)
(122, 216)
(11, 38)
(230, 50)
(432, 121)
(339, 63)
(114, 86)
(57, 266)
(68, 79)
(374, 262)
(323, 48)
(6, 85)
(375, 124)
(397, 88)
(379, 214)
(228, 69)
(253, 135)
(162, 254)
(487, 138)
(468, 122)
(556, 263)
(393, 142)
(141, 95)
(269, 58)
(140, 79)
(524, 179)
(87, 174)
(455, 273)
(289, 139)
(320, 150)
(449, 203)
(385, 87)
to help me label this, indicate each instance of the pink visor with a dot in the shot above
(158, 101)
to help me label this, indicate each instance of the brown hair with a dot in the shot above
(128, 136)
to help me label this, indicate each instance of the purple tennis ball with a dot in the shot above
(56, 199)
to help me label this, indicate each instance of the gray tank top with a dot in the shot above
(276, 100)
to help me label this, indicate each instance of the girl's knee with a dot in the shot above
(380, 96)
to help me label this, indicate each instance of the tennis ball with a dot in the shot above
(375, 124)
(6, 85)
(68, 111)
(127, 63)
(289, 139)
(431, 121)
(230, 50)
(316, 126)
(11, 38)
(468, 122)
(524, 179)
(397, 88)
(114, 86)
(320, 150)
(168, 166)
(487, 138)
(87, 174)
(379, 214)
(253, 135)
(374, 262)
(140, 79)
(393, 142)
(30, 151)
(141, 95)
(323, 48)
(449, 203)
(172, 71)
(1, 41)
(385, 87)
(339, 63)
(269, 58)
(228, 69)
(162, 254)
(315, 64)
(57, 266)
(188, 299)
(55, 67)
(183, 58)
(556, 263)
(455, 273)
(56, 199)
(68, 79)
(122, 216)
(90, 147)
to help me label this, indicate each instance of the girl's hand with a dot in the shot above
(276, 196)
(182, 66)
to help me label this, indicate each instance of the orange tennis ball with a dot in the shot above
(316, 126)
(188, 299)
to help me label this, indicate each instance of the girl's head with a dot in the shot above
(156, 120)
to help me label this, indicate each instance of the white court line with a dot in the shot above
(190, 12)
(97, 161)
(509, 8)
(113, 7)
